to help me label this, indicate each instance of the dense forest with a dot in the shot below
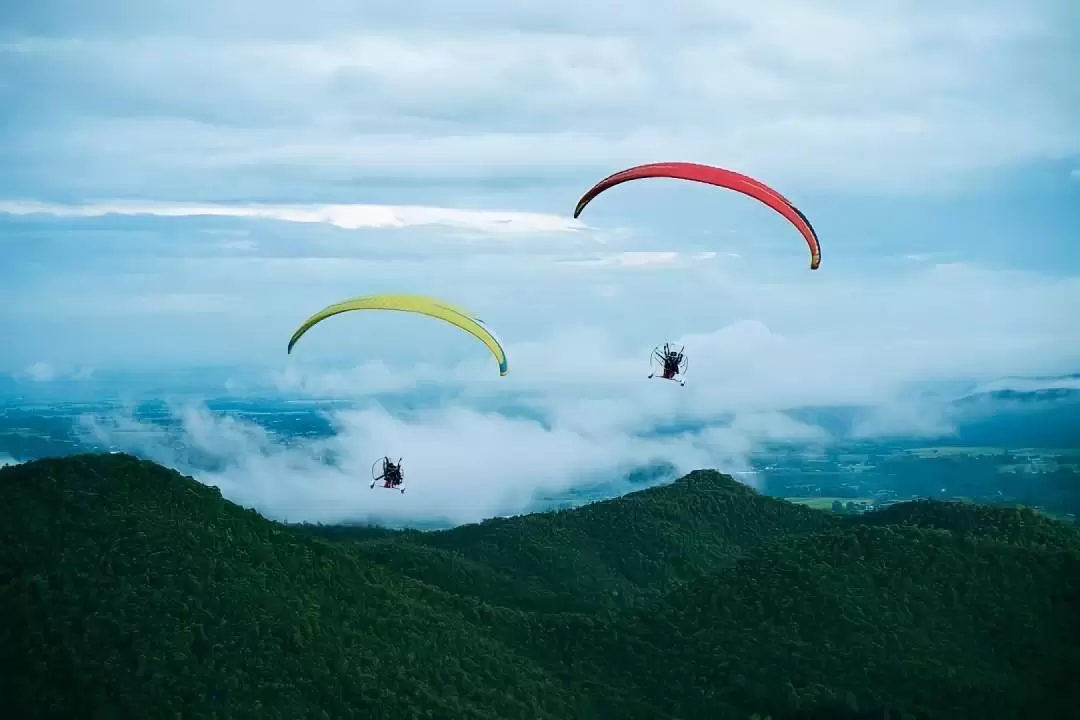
(130, 591)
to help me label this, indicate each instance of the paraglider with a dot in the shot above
(419, 304)
(390, 474)
(721, 178)
(669, 363)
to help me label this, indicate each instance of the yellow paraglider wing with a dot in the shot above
(419, 304)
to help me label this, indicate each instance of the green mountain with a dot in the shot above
(607, 554)
(128, 590)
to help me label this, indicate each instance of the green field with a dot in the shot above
(934, 452)
(825, 503)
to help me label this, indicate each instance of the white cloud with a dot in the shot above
(630, 259)
(347, 217)
(765, 321)
(913, 417)
(461, 464)
(40, 372)
(1029, 385)
(373, 377)
(45, 372)
(942, 94)
(606, 291)
(577, 407)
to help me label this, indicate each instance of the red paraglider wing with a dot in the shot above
(720, 178)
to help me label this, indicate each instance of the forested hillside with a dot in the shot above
(128, 590)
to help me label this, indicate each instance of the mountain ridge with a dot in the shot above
(133, 590)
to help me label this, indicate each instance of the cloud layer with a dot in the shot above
(577, 409)
(461, 464)
(345, 217)
(885, 98)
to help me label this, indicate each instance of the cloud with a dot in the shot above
(40, 372)
(346, 217)
(1029, 385)
(495, 98)
(629, 259)
(576, 409)
(45, 372)
(462, 464)
(915, 417)
(6, 460)
(129, 294)
(641, 259)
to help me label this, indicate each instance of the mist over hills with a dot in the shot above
(1008, 412)
(855, 455)
(148, 593)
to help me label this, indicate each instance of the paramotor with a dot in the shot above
(389, 473)
(667, 363)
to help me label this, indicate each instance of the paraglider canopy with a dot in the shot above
(419, 304)
(721, 178)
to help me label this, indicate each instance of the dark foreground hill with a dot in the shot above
(127, 590)
(608, 554)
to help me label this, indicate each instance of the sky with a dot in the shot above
(185, 182)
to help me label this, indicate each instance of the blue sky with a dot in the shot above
(184, 182)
